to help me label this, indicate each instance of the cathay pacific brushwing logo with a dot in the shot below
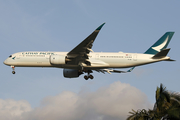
(14, 57)
(159, 47)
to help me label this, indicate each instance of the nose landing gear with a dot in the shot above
(13, 72)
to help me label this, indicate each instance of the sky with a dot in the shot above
(43, 25)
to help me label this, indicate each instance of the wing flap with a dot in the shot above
(113, 71)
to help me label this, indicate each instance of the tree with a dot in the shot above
(140, 115)
(166, 107)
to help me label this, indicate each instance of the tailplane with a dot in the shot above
(161, 54)
(161, 44)
(158, 49)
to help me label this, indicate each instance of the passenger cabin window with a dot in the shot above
(10, 56)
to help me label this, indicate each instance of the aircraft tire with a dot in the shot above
(91, 77)
(13, 72)
(86, 77)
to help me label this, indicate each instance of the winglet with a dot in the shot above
(99, 28)
(87, 43)
(131, 69)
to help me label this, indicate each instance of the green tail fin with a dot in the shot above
(161, 44)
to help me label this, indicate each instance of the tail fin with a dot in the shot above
(161, 44)
(158, 49)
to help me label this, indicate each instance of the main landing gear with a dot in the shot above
(86, 77)
(13, 72)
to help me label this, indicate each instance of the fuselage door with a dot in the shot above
(135, 57)
(97, 56)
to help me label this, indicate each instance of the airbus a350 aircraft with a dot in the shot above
(82, 59)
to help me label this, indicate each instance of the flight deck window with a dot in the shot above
(10, 56)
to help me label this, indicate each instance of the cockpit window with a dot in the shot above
(10, 56)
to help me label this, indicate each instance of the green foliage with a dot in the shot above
(167, 107)
(139, 115)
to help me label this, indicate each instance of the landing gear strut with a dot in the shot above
(86, 77)
(13, 72)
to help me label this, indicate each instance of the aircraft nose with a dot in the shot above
(5, 62)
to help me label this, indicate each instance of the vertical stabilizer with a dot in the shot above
(161, 44)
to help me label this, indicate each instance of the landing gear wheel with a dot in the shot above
(13, 72)
(91, 77)
(86, 77)
(13, 68)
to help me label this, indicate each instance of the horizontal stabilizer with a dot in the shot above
(161, 54)
(170, 60)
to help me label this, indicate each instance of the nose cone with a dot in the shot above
(6, 62)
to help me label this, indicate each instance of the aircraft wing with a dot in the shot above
(109, 71)
(81, 51)
(114, 71)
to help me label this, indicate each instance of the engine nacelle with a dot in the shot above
(71, 73)
(57, 59)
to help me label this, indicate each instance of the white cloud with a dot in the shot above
(111, 102)
(11, 109)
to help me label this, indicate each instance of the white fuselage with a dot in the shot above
(98, 60)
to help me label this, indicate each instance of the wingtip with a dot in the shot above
(99, 28)
(131, 69)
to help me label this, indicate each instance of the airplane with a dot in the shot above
(82, 59)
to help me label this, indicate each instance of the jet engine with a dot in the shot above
(57, 59)
(71, 73)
